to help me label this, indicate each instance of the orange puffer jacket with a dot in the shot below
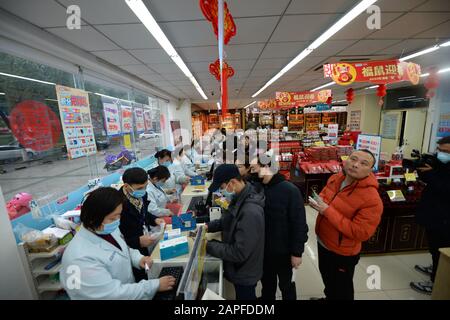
(352, 216)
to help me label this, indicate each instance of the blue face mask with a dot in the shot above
(159, 184)
(138, 194)
(167, 164)
(228, 195)
(109, 228)
(443, 157)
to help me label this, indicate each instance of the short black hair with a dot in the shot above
(98, 204)
(371, 154)
(135, 176)
(163, 153)
(444, 140)
(159, 172)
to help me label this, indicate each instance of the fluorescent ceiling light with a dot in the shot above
(446, 44)
(51, 100)
(141, 11)
(218, 105)
(25, 78)
(372, 87)
(2, 93)
(347, 18)
(424, 75)
(420, 53)
(324, 86)
(249, 104)
(444, 70)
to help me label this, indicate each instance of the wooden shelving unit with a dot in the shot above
(312, 121)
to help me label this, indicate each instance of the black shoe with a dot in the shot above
(425, 270)
(425, 287)
(317, 298)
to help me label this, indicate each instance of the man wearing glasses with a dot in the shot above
(350, 210)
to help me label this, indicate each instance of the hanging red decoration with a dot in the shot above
(329, 100)
(432, 83)
(214, 69)
(210, 11)
(227, 72)
(381, 92)
(350, 95)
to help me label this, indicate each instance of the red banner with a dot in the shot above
(270, 104)
(210, 11)
(301, 99)
(377, 72)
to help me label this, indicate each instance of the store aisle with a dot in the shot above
(397, 271)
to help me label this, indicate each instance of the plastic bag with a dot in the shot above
(62, 223)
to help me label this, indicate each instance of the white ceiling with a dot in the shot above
(269, 34)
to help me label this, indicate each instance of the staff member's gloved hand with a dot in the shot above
(166, 283)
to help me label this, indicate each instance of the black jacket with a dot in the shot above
(242, 248)
(433, 211)
(132, 224)
(286, 228)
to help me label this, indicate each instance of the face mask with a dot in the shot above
(159, 184)
(138, 193)
(167, 164)
(228, 195)
(443, 157)
(109, 228)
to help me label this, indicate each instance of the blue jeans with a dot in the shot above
(245, 292)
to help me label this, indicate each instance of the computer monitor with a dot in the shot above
(192, 275)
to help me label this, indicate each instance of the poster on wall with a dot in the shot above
(176, 132)
(333, 130)
(390, 124)
(371, 143)
(147, 118)
(112, 117)
(127, 119)
(76, 122)
(355, 120)
(139, 119)
(444, 120)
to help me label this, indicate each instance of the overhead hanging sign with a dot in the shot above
(76, 121)
(139, 117)
(269, 104)
(127, 119)
(377, 72)
(301, 99)
(112, 117)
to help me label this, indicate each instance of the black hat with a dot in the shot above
(223, 173)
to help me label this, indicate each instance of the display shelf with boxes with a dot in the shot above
(312, 121)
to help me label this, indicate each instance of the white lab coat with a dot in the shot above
(158, 200)
(187, 166)
(105, 271)
(176, 178)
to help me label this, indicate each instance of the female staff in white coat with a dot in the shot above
(97, 264)
(156, 195)
(177, 176)
(186, 164)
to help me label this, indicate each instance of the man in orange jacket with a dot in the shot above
(350, 210)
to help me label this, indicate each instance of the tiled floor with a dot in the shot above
(397, 271)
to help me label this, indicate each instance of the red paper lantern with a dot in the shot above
(381, 92)
(350, 95)
(329, 101)
(432, 83)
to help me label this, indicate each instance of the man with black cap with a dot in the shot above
(242, 226)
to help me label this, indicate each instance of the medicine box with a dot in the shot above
(173, 248)
(171, 234)
(198, 181)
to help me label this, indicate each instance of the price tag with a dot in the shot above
(410, 177)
